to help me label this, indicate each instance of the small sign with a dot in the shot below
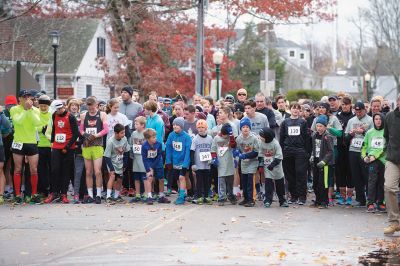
(65, 92)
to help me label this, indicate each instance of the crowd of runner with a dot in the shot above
(237, 149)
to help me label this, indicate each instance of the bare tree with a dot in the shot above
(384, 19)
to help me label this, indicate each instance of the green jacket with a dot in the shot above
(25, 123)
(373, 145)
(44, 142)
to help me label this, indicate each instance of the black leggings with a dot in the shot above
(203, 179)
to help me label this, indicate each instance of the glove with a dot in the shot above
(321, 164)
(91, 137)
(168, 167)
(311, 159)
(194, 168)
(236, 153)
(242, 156)
(215, 162)
(261, 169)
(270, 167)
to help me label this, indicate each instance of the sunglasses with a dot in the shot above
(242, 94)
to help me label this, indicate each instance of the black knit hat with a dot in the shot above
(267, 134)
(128, 89)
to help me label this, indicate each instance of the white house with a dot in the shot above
(82, 42)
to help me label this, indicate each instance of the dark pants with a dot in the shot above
(214, 177)
(127, 181)
(319, 186)
(359, 174)
(295, 169)
(203, 179)
(279, 187)
(62, 170)
(343, 172)
(247, 181)
(376, 181)
(44, 170)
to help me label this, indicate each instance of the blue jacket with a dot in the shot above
(178, 149)
(157, 124)
(152, 156)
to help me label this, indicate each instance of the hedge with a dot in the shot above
(316, 95)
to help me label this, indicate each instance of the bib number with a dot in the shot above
(377, 143)
(177, 146)
(137, 149)
(222, 151)
(205, 156)
(120, 158)
(17, 145)
(294, 131)
(60, 138)
(357, 142)
(317, 148)
(268, 161)
(152, 154)
(91, 130)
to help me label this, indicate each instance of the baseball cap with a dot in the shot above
(333, 97)
(23, 93)
(359, 106)
(229, 97)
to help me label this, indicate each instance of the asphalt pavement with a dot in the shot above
(138, 234)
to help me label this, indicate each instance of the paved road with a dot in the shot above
(185, 235)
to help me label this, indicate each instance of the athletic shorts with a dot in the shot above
(92, 153)
(137, 176)
(26, 149)
(2, 155)
(158, 174)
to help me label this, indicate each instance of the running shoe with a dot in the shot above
(180, 201)
(168, 192)
(340, 201)
(221, 202)
(163, 200)
(76, 200)
(119, 200)
(260, 196)
(51, 198)
(381, 208)
(27, 199)
(292, 200)
(98, 200)
(215, 198)
(36, 199)
(284, 204)
(189, 199)
(267, 204)
(88, 200)
(233, 200)
(250, 203)
(18, 200)
(331, 202)
(357, 204)
(243, 202)
(110, 201)
(301, 202)
(208, 201)
(323, 206)
(349, 201)
(371, 208)
(124, 192)
(64, 199)
(131, 192)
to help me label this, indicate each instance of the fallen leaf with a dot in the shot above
(267, 253)
(282, 255)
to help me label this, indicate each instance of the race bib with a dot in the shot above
(177, 146)
(205, 156)
(377, 143)
(222, 151)
(137, 149)
(60, 138)
(357, 142)
(17, 145)
(268, 160)
(152, 154)
(120, 157)
(91, 130)
(294, 131)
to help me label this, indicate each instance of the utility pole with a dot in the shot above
(200, 48)
(267, 91)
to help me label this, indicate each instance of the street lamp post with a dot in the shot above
(367, 78)
(55, 42)
(218, 57)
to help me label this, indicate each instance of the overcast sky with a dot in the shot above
(322, 32)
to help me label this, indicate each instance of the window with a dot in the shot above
(291, 53)
(101, 47)
(88, 90)
(37, 77)
(302, 56)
